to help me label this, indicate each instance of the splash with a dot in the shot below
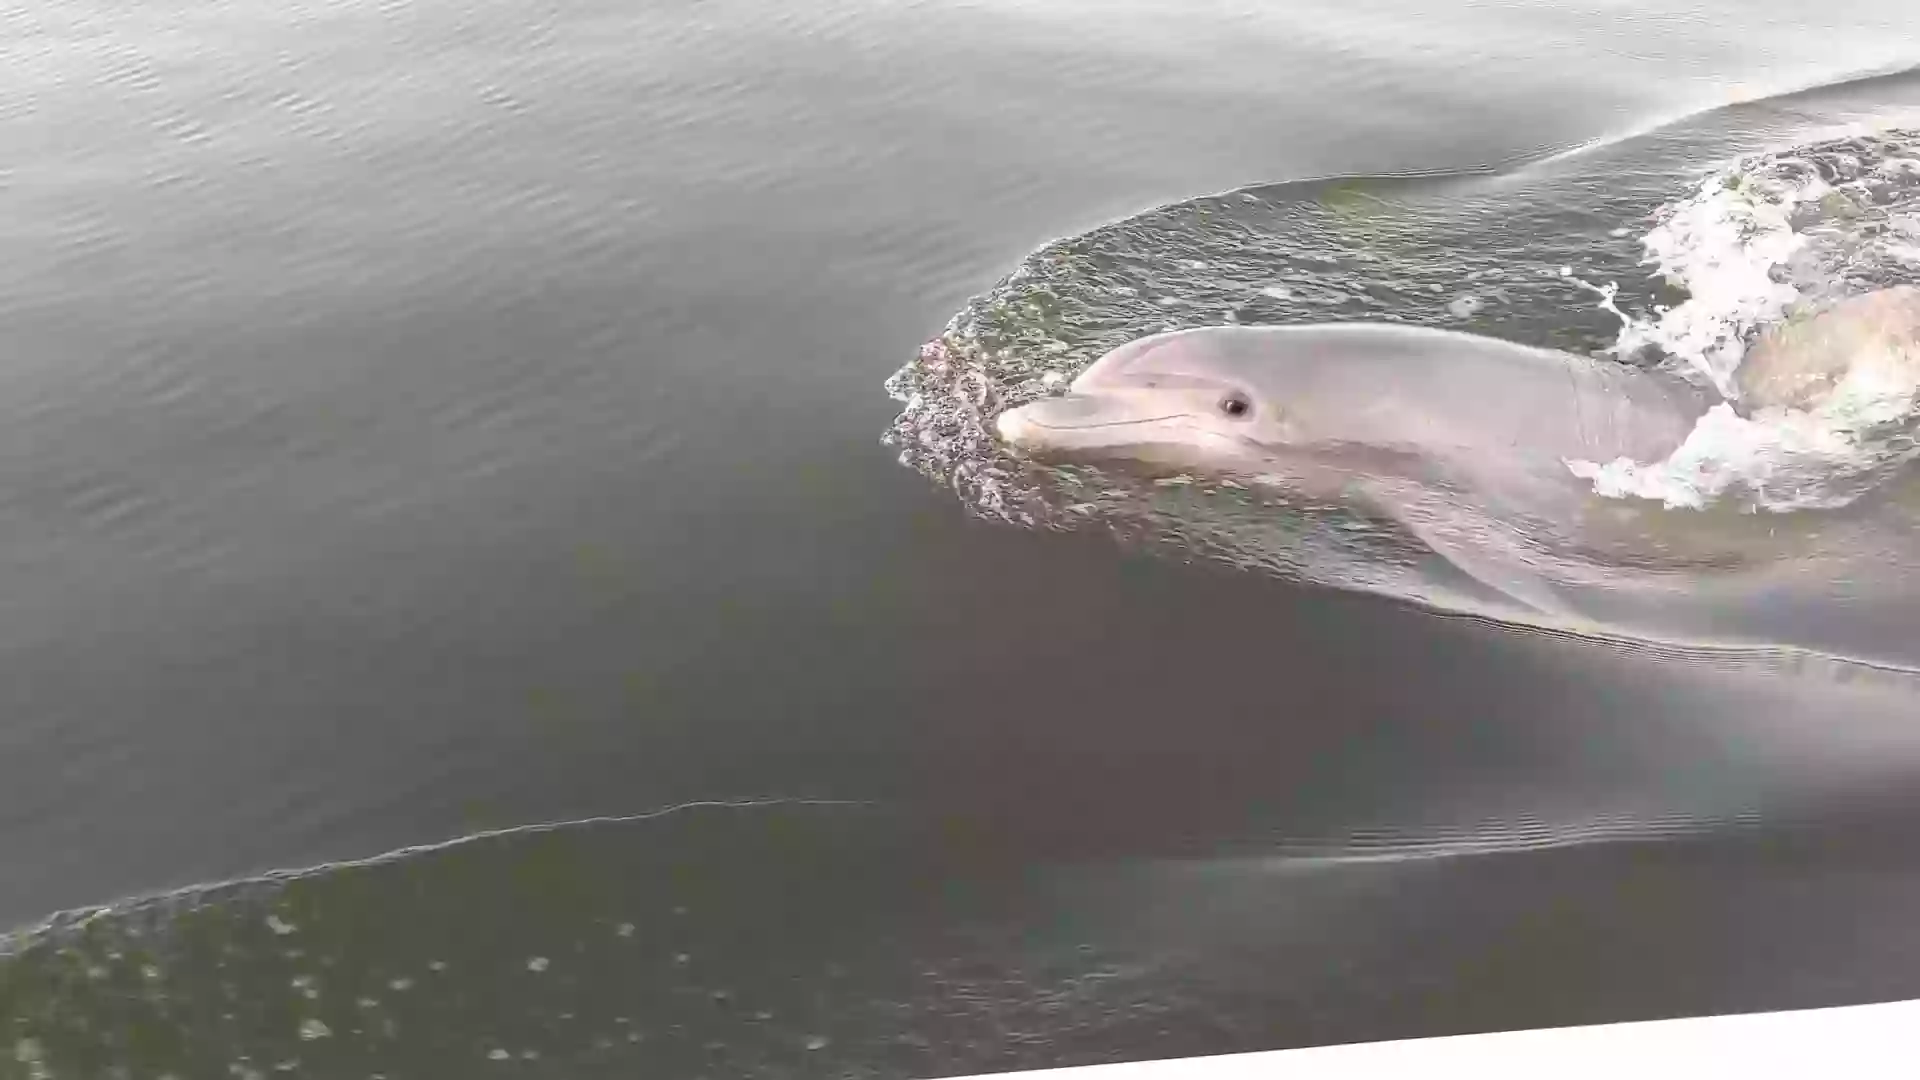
(1789, 459)
(1763, 239)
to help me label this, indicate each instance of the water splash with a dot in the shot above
(1763, 239)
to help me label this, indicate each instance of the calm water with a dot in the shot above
(420, 419)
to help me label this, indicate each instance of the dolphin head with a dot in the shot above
(1182, 398)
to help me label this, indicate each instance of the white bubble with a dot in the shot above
(1727, 244)
(312, 1028)
(817, 1042)
(498, 1054)
(280, 926)
(625, 929)
(537, 963)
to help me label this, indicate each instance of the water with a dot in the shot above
(423, 420)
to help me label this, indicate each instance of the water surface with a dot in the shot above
(421, 419)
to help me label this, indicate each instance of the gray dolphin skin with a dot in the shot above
(1319, 406)
(1409, 423)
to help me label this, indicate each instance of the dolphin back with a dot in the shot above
(1794, 363)
(1449, 394)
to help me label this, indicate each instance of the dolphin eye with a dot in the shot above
(1236, 405)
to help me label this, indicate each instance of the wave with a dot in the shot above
(1874, 83)
(75, 920)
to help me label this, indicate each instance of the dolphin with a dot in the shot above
(1379, 417)
(1319, 406)
(1467, 441)
(1467, 444)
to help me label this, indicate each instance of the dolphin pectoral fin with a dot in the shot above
(1490, 561)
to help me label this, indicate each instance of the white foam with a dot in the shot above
(1748, 245)
(1725, 245)
(1785, 456)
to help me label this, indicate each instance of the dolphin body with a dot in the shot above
(1320, 407)
(1241, 398)
(1463, 441)
(1390, 420)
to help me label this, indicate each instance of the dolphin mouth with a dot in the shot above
(1073, 421)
